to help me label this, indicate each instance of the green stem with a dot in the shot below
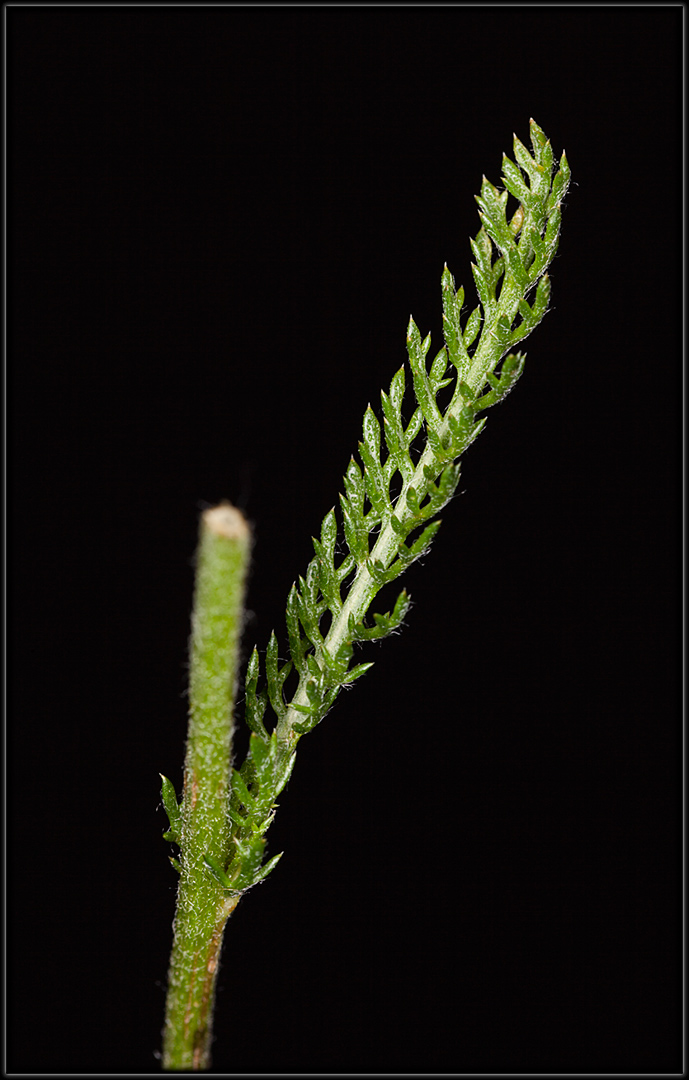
(202, 905)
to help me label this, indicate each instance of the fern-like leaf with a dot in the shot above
(380, 531)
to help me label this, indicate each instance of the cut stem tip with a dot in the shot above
(226, 520)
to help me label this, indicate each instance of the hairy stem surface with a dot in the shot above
(203, 906)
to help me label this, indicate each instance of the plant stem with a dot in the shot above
(202, 906)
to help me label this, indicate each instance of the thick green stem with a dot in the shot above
(202, 905)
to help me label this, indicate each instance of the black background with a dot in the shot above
(220, 219)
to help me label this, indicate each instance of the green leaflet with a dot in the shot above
(172, 809)
(473, 325)
(217, 871)
(255, 703)
(511, 369)
(414, 445)
(276, 676)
